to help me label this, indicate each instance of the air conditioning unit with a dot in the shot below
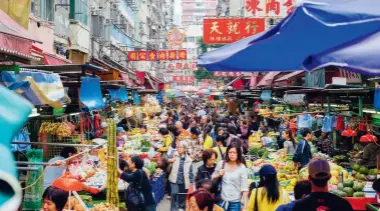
(95, 12)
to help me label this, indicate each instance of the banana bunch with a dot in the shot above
(43, 127)
(51, 128)
(63, 130)
(112, 174)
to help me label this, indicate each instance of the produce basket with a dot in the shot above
(359, 203)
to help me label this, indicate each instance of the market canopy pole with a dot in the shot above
(313, 27)
(112, 173)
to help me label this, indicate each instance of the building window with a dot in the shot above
(43, 9)
(79, 10)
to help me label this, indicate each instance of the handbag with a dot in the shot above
(134, 197)
(219, 186)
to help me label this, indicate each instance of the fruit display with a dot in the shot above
(60, 129)
(349, 188)
(362, 173)
(75, 205)
(104, 207)
(258, 152)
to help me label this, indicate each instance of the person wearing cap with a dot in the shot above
(301, 190)
(303, 151)
(181, 176)
(120, 141)
(320, 198)
(102, 131)
(270, 195)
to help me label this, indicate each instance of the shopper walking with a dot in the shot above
(303, 155)
(220, 148)
(289, 144)
(207, 139)
(270, 195)
(232, 175)
(137, 178)
(181, 176)
(206, 171)
(320, 198)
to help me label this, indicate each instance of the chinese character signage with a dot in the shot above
(183, 79)
(175, 38)
(228, 74)
(181, 66)
(228, 30)
(162, 55)
(132, 56)
(269, 8)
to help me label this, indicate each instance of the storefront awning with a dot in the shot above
(268, 79)
(52, 59)
(10, 27)
(290, 76)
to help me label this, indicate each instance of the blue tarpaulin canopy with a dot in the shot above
(90, 93)
(119, 94)
(14, 111)
(313, 27)
(361, 55)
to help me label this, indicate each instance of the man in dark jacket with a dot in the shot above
(303, 152)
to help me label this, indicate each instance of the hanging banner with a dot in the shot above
(152, 55)
(183, 79)
(90, 93)
(269, 8)
(172, 55)
(181, 66)
(141, 77)
(162, 55)
(18, 10)
(227, 74)
(182, 54)
(132, 56)
(228, 30)
(142, 55)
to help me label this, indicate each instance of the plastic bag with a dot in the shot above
(376, 101)
(151, 153)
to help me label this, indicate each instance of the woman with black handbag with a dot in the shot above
(138, 195)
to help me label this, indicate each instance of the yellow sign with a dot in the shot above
(18, 10)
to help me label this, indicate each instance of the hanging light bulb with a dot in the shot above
(67, 183)
(368, 138)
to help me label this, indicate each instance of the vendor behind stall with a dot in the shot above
(129, 122)
(53, 172)
(370, 153)
(102, 131)
(120, 140)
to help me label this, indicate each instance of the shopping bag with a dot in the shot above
(151, 153)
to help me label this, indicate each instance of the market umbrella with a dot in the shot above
(174, 93)
(313, 27)
(360, 55)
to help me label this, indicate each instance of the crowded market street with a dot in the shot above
(190, 105)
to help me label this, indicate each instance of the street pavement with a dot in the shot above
(164, 205)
